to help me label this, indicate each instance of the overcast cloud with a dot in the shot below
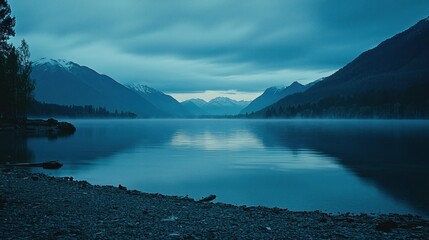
(194, 46)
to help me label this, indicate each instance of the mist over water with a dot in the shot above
(330, 165)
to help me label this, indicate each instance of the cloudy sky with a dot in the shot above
(195, 48)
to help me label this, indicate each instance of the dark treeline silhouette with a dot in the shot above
(16, 87)
(38, 109)
(410, 103)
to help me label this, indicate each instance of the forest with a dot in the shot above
(38, 109)
(411, 103)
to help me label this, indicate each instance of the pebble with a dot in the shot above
(54, 208)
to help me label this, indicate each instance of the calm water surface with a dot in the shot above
(330, 165)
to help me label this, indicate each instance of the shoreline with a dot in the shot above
(37, 206)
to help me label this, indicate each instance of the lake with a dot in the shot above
(371, 166)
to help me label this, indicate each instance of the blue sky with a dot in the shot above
(206, 48)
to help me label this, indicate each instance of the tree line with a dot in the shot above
(16, 86)
(410, 103)
(38, 109)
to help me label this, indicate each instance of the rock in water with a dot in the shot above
(66, 127)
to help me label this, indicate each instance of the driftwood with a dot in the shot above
(45, 165)
(209, 198)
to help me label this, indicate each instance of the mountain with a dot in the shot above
(67, 83)
(195, 108)
(272, 95)
(160, 100)
(390, 80)
(217, 107)
(225, 106)
(197, 101)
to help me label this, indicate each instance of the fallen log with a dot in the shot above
(45, 165)
(209, 198)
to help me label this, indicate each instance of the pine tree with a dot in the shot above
(16, 87)
(7, 24)
(25, 85)
(11, 82)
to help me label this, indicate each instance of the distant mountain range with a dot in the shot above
(388, 81)
(273, 94)
(194, 108)
(66, 83)
(160, 100)
(219, 106)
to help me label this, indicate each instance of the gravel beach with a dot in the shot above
(37, 206)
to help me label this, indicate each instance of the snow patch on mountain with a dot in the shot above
(68, 65)
(143, 88)
(225, 101)
(218, 106)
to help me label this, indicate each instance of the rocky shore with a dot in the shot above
(50, 127)
(37, 206)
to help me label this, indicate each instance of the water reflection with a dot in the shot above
(207, 140)
(298, 160)
(13, 148)
(393, 155)
(370, 166)
(101, 139)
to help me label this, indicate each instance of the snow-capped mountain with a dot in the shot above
(224, 101)
(274, 94)
(67, 65)
(160, 100)
(67, 83)
(225, 106)
(218, 106)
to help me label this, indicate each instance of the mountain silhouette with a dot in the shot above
(67, 83)
(390, 79)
